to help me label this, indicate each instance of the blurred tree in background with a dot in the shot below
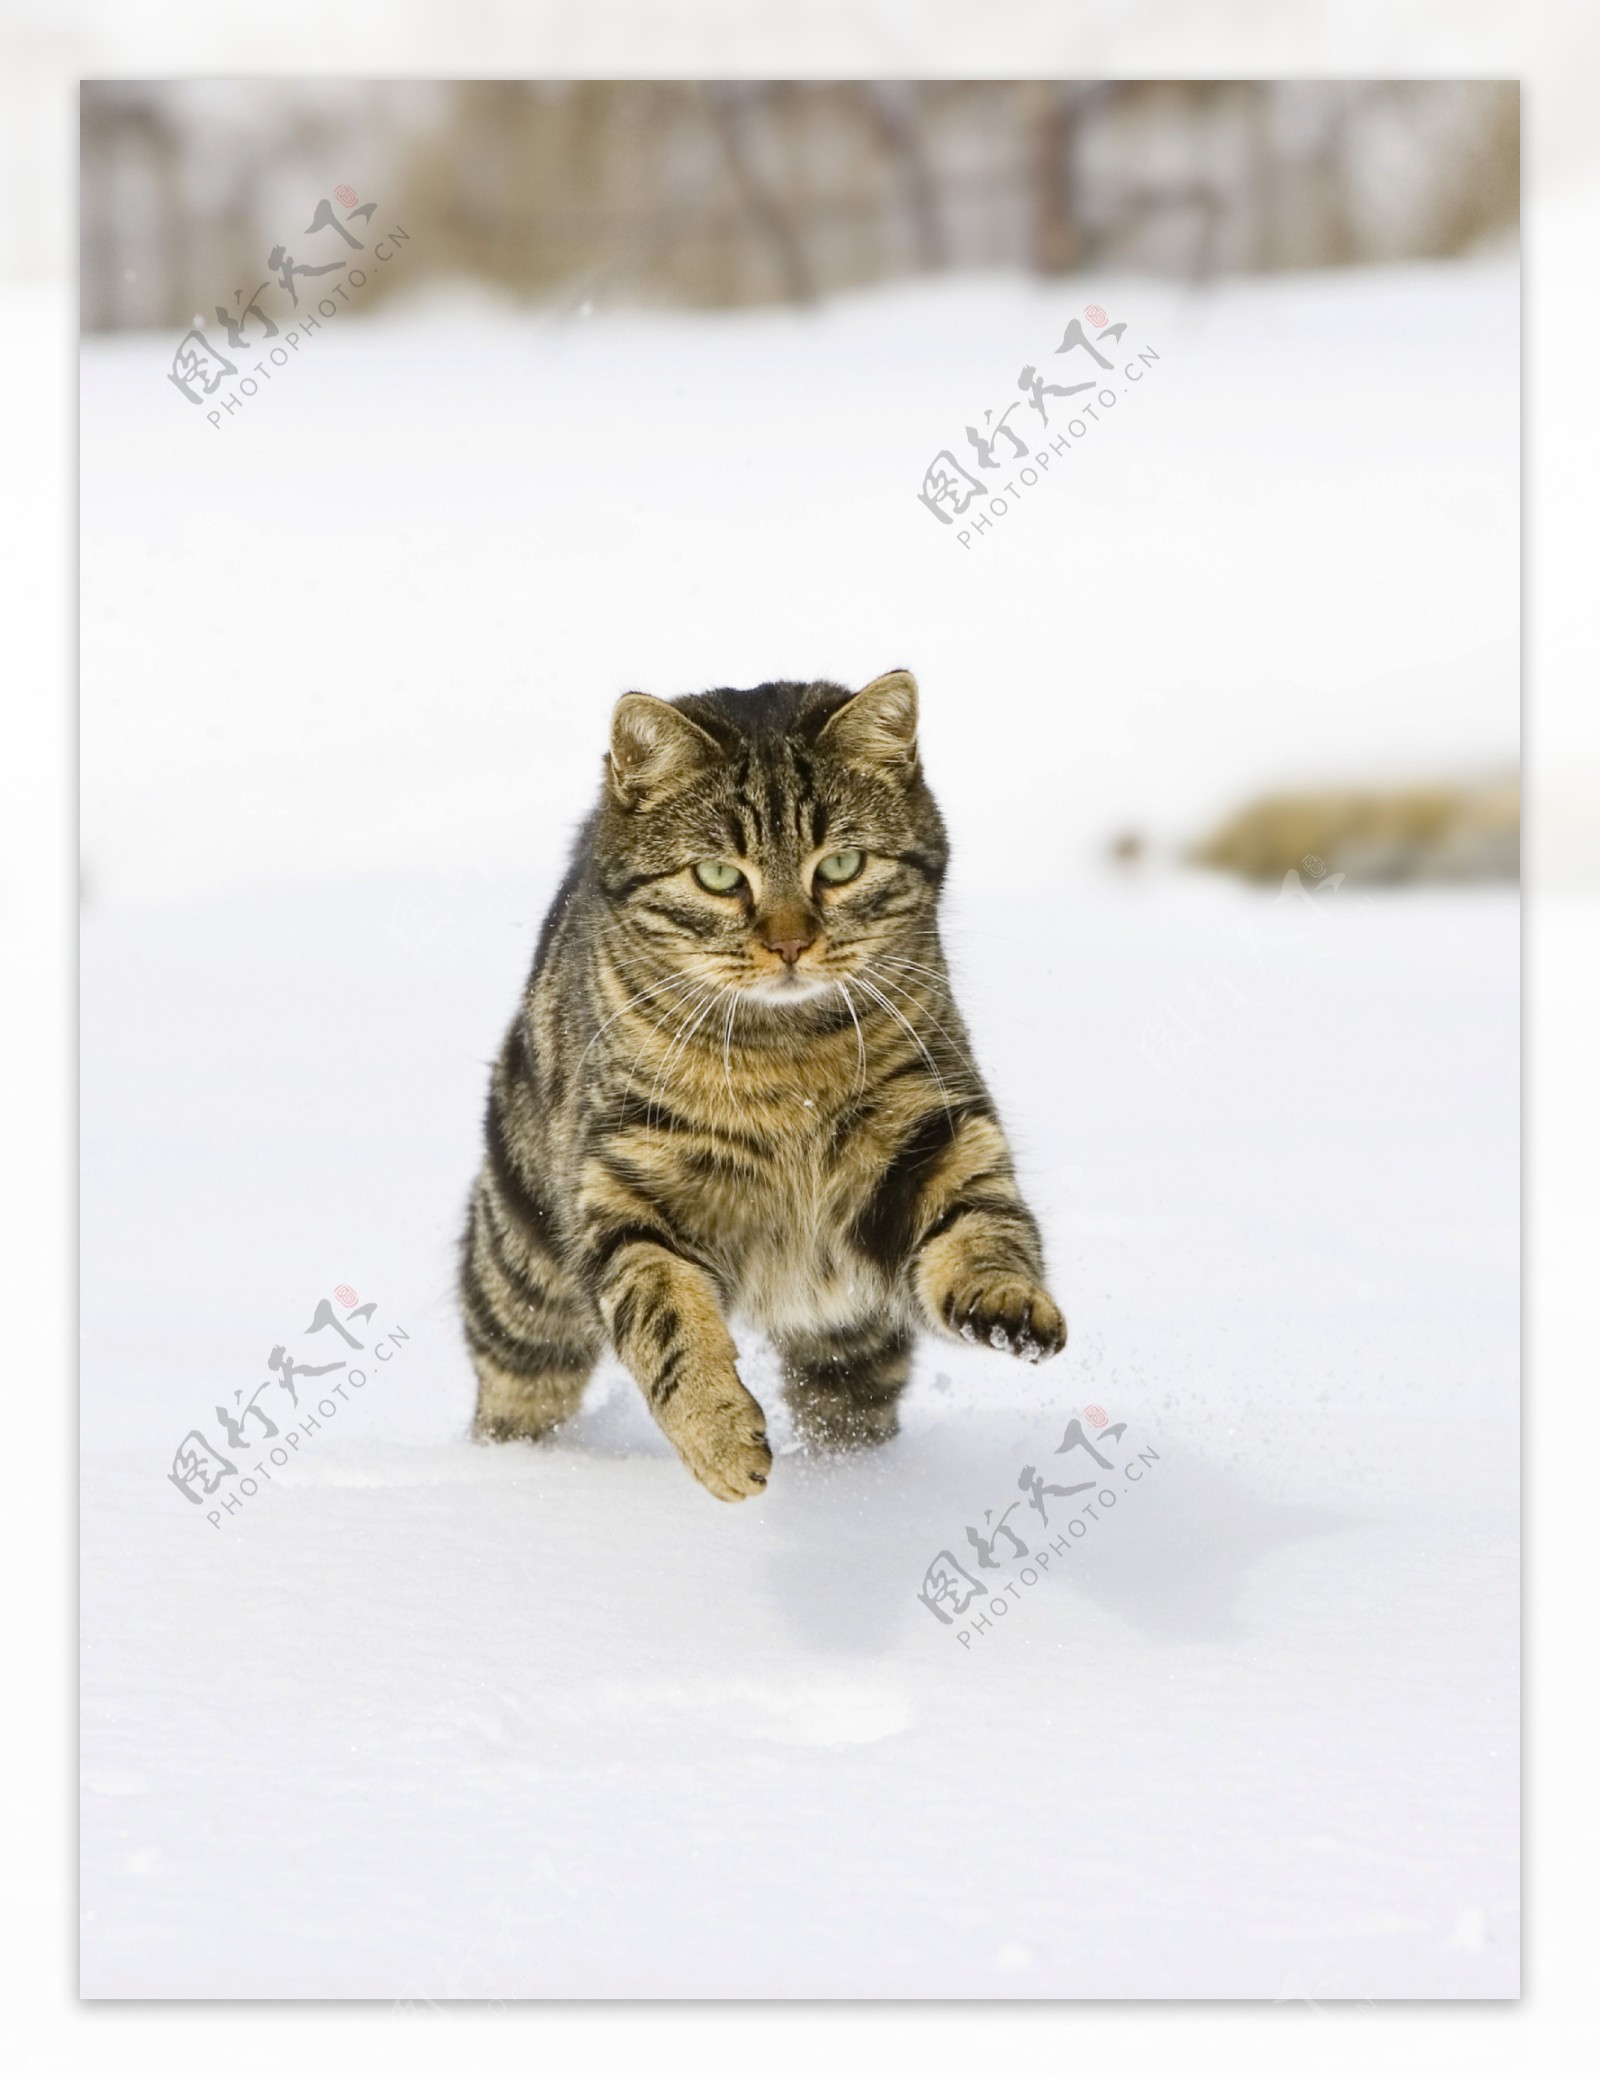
(724, 193)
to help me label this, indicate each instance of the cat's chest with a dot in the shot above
(790, 1238)
(785, 1186)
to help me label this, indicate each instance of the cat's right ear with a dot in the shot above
(655, 749)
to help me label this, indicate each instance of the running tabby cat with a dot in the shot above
(738, 1086)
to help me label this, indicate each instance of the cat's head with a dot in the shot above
(774, 842)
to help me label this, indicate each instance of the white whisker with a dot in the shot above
(697, 997)
(878, 995)
(950, 1039)
(633, 1002)
(679, 1043)
(727, 1042)
(861, 1044)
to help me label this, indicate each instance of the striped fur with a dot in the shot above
(759, 1103)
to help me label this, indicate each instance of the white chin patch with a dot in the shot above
(788, 989)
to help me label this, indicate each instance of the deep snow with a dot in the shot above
(424, 1720)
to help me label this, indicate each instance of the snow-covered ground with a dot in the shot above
(421, 1720)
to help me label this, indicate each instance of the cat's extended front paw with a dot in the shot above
(1009, 1313)
(720, 1433)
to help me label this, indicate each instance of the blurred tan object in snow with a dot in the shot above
(1447, 832)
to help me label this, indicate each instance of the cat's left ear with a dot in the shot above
(878, 725)
(655, 749)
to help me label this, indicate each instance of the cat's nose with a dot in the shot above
(788, 950)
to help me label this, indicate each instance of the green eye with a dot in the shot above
(840, 867)
(718, 876)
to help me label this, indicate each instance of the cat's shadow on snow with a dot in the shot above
(844, 1543)
(1173, 1558)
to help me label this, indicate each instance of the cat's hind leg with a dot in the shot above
(533, 1337)
(843, 1385)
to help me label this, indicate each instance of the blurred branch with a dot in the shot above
(731, 103)
(892, 106)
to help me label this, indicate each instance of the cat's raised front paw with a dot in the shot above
(1010, 1314)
